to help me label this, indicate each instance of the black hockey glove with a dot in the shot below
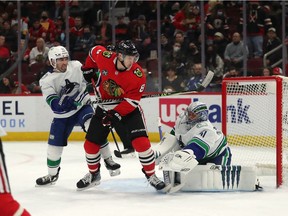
(111, 118)
(67, 104)
(91, 73)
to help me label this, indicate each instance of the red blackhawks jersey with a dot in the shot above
(112, 84)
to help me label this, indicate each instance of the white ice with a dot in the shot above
(127, 194)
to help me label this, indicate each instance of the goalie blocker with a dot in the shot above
(182, 172)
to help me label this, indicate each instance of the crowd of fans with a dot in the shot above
(225, 51)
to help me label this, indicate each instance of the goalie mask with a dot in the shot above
(55, 53)
(196, 112)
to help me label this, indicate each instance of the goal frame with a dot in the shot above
(279, 127)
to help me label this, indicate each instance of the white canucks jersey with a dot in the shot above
(204, 134)
(71, 83)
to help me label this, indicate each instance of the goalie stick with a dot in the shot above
(202, 86)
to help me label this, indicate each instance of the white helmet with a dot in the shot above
(196, 112)
(56, 53)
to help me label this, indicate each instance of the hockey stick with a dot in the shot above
(116, 143)
(110, 128)
(160, 128)
(202, 86)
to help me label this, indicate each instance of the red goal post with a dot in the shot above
(255, 121)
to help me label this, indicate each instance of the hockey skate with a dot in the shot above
(48, 179)
(89, 180)
(112, 166)
(125, 153)
(155, 182)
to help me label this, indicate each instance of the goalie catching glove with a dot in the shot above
(90, 73)
(111, 118)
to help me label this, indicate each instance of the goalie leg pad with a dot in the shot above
(167, 144)
(213, 177)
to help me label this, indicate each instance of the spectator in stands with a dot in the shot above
(146, 48)
(36, 31)
(220, 44)
(140, 30)
(10, 36)
(256, 23)
(232, 72)
(121, 29)
(76, 31)
(214, 62)
(26, 53)
(166, 49)
(167, 27)
(47, 23)
(172, 82)
(38, 53)
(4, 55)
(85, 42)
(60, 32)
(187, 20)
(196, 77)
(6, 86)
(216, 21)
(273, 42)
(267, 71)
(104, 31)
(193, 53)
(234, 52)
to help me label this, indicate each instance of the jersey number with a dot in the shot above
(203, 133)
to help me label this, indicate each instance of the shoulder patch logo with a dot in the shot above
(138, 72)
(107, 54)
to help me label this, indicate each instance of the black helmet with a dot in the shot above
(127, 47)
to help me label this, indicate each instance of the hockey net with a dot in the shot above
(255, 121)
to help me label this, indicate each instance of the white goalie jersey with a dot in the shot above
(70, 83)
(203, 134)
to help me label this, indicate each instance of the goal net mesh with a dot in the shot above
(257, 123)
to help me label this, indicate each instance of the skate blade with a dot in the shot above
(45, 185)
(114, 172)
(89, 186)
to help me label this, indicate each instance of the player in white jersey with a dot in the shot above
(193, 141)
(8, 205)
(195, 132)
(64, 89)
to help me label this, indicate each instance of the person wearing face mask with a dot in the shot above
(234, 52)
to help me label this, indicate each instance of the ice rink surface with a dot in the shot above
(127, 194)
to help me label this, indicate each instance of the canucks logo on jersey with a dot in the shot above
(70, 88)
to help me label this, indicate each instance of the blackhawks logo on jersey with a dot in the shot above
(107, 54)
(138, 72)
(112, 88)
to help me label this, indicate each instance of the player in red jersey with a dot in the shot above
(118, 76)
(8, 205)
